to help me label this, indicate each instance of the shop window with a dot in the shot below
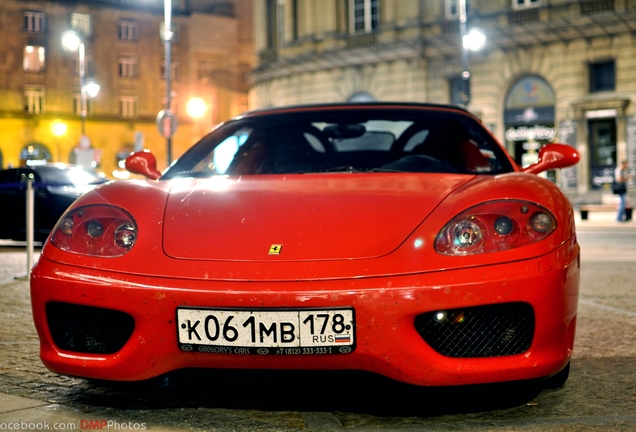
(529, 118)
(602, 76)
(35, 153)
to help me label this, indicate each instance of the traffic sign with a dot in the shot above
(167, 123)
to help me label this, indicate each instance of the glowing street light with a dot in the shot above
(92, 88)
(474, 40)
(196, 108)
(71, 41)
(471, 41)
(166, 116)
(58, 128)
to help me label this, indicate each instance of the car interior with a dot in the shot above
(331, 144)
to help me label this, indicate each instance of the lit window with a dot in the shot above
(34, 57)
(128, 30)
(365, 15)
(34, 99)
(34, 22)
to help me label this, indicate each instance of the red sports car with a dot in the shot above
(394, 238)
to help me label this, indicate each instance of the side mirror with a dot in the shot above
(553, 156)
(143, 163)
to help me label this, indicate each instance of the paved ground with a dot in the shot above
(600, 395)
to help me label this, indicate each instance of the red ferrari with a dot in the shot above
(394, 238)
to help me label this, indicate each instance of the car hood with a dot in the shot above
(298, 217)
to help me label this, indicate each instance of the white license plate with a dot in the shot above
(281, 331)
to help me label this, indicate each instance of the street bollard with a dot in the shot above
(30, 213)
(30, 200)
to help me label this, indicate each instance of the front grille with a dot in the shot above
(483, 331)
(87, 329)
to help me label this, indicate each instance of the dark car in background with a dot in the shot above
(55, 188)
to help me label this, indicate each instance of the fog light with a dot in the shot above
(440, 316)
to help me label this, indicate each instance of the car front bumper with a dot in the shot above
(386, 309)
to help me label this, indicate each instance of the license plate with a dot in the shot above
(278, 332)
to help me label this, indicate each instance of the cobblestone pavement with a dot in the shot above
(600, 394)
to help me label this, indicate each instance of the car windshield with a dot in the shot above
(345, 140)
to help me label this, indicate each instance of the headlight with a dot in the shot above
(97, 230)
(495, 226)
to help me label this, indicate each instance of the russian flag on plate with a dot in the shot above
(343, 339)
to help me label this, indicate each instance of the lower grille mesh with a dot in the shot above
(483, 331)
(88, 329)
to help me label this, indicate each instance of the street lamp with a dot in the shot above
(58, 129)
(71, 41)
(196, 108)
(167, 117)
(471, 41)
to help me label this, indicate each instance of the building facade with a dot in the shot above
(124, 52)
(550, 70)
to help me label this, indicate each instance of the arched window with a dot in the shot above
(35, 153)
(529, 116)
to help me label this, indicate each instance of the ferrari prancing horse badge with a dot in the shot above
(275, 249)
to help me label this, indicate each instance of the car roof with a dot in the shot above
(354, 105)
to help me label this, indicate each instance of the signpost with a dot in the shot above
(167, 123)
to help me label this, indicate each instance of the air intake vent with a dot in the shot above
(87, 329)
(484, 331)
